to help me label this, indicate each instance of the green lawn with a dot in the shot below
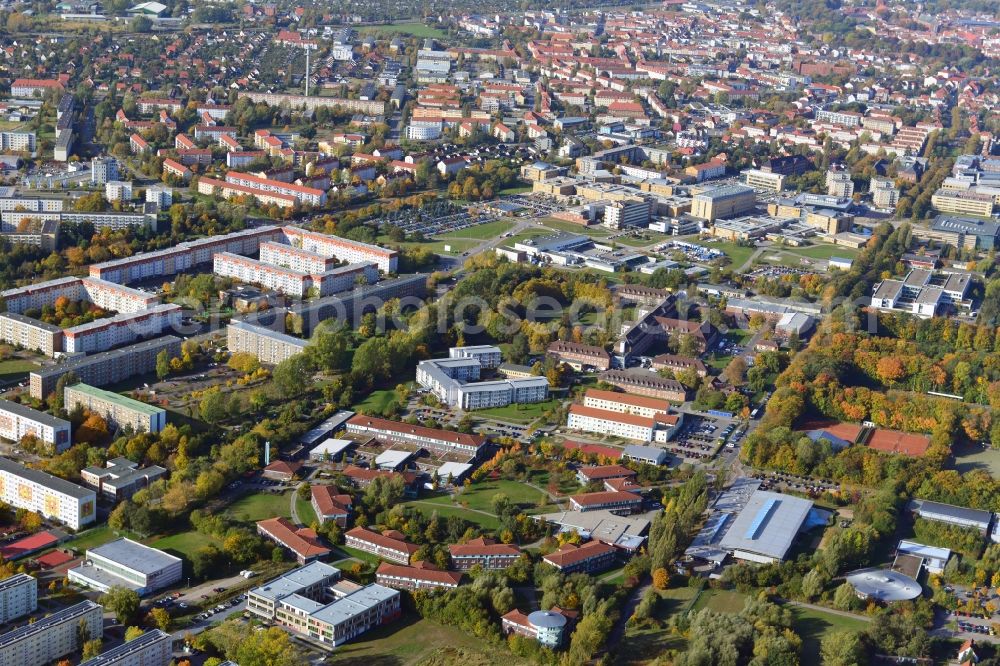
(407, 28)
(480, 231)
(15, 368)
(721, 601)
(480, 495)
(647, 238)
(824, 251)
(642, 646)
(186, 543)
(563, 225)
(259, 506)
(517, 189)
(92, 538)
(444, 511)
(737, 253)
(306, 512)
(376, 402)
(518, 413)
(410, 641)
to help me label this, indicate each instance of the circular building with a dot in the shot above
(884, 585)
(548, 626)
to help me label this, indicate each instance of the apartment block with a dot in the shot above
(153, 648)
(25, 488)
(119, 411)
(106, 367)
(53, 636)
(290, 281)
(304, 195)
(17, 421)
(342, 248)
(267, 345)
(30, 333)
(295, 258)
(488, 356)
(18, 597)
(122, 329)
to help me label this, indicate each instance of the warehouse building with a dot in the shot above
(16, 421)
(25, 488)
(127, 563)
(153, 648)
(959, 516)
(119, 411)
(52, 637)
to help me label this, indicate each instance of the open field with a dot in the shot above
(411, 641)
(15, 368)
(407, 28)
(518, 413)
(737, 253)
(186, 543)
(969, 458)
(562, 225)
(445, 510)
(375, 402)
(92, 538)
(260, 506)
(306, 512)
(480, 495)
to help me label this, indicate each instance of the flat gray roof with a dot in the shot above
(44, 624)
(33, 414)
(83, 361)
(355, 603)
(926, 507)
(296, 580)
(135, 556)
(41, 478)
(768, 524)
(113, 655)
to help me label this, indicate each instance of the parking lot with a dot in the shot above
(701, 437)
(691, 251)
(437, 217)
(802, 484)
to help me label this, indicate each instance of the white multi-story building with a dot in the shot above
(488, 356)
(153, 648)
(342, 248)
(268, 346)
(126, 328)
(293, 282)
(839, 184)
(18, 142)
(50, 496)
(628, 213)
(429, 438)
(126, 563)
(18, 597)
(103, 169)
(53, 636)
(161, 195)
(764, 180)
(31, 204)
(884, 193)
(118, 410)
(624, 403)
(455, 381)
(16, 421)
(118, 190)
(297, 259)
(627, 426)
(305, 195)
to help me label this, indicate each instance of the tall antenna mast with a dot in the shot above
(307, 70)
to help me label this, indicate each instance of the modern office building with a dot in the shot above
(310, 601)
(724, 201)
(268, 346)
(119, 411)
(53, 636)
(25, 488)
(120, 478)
(153, 648)
(106, 367)
(126, 563)
(963, 202)
(16, 421)
(764, 180)
(18, 597)
(290, 281)
(454, 381)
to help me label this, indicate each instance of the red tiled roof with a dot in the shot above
(482, 546)
(593, 449)
(600, 472)
(569, 554)
(605, 497)
(302, 541)
(283, 467)
(382, 540)
(421, 571)
(330, 503)
(363, 421)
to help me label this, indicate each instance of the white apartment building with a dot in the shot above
(305, 195)
(18, 142)
(297, 259)
(18, 597)
(128, 327)
(153, 648)
(268, 346)
(31, 204)
(290, 281)
(624, 403)
(487, 355)
(626, 426)
(884, 193)
(623, 214)
(53, 636)
(342, 248)
(118, 410)
(161, 195)
(50, 496)
(16, 421)
(103, 169)
(455, 381)
(118, 190)
(839, 184)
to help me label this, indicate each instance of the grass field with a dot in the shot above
(259, 506)
(480, 231)
(648, 238)
(92, 538)
(407, 28)
(306, 512)
(480, 495)
(969, 458)
(737, 253)
(409, 641)
(518, 413)
(186, 543)
(445, 510)
(562, 225)
(15, 368)
(823, 251)
(642, 646)
(375, 402)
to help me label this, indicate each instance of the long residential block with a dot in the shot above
(118, 410)
(153, 648)
(53, 636)
(267, 345)
(18, 597)
(16, 421)
(26, 488)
